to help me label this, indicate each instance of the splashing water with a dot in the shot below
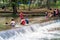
(38, 31)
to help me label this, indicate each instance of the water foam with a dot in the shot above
(33, 32)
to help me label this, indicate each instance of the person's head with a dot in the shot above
(50, 9)
(54, 9)
(21, 12)
(6, 23)
(12, 19)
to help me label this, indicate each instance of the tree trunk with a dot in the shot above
(55, 1)
(48, 4)
(14, 8)
(29, 4)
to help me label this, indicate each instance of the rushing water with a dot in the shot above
(33, 32)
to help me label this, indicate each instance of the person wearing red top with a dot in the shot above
(23, 22)
(21, 15)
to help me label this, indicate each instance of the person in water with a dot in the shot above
(27, 22)
(21, 15)
(12, 22)
(46, 15)
(23, 22)
(26, 19)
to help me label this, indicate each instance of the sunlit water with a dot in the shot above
(37, 31)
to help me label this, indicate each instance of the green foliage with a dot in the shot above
(58, 4)
(55, 1)
(23, 1)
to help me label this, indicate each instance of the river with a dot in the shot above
(37, 31)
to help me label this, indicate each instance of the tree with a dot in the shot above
(55, 1)
(14, 8)
(23, 1)
(48, 4)
(29, 4)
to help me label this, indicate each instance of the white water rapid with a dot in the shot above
(38, 31)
